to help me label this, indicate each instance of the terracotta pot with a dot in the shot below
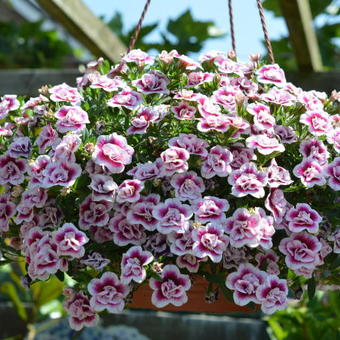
(196, 301)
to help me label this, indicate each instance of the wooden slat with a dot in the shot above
(298, 17)
(28, 81)
(76, 17)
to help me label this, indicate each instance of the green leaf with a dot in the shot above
(46, 291)
(8, 289)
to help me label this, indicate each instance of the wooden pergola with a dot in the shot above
(80, 22)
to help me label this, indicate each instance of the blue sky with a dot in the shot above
(247, 22)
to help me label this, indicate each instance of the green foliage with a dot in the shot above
(326, 34)
(185, 34)
(314, 319)
(26, 44)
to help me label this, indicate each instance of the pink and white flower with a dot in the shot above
(210, 209)
(310, 173)
(126, 98)
(107, 293)
(80, 312)
(241, 156)
(152, 82)
(189, 262)
(333, 137)
(70, 241)
(138, 57)
(285, 133)
(268, 262)
(188, 186)
(198, 78)
(71, 118)
(248, 181)
(35, 197)
(318, 122)
(129, 191)
(226, 97)
(303, 217)
(218, 123)
(65, 93)
(272, 294)
(271, 74)
(103, 188)
(301, 250)
(36, 170)
(209, 241)
(147, 171)
(314, 149)
(8, 103)
(191, 143)
(171, 289)
(277, 175)
(133, 263)
(141, 213)
(174, 160)
(47, 137)
(93, 213)
(7, 210)
(217, 162)
(244, 282)
(332, 172)
(20, 147)
(173, 216)
(278, 97)
(277, 204)
(60, 173)
(11, 170)
(264, 145)
(107, 84)
(141, 121)
(184, 111)
(125, 233)
(113, 152)
(181, 243)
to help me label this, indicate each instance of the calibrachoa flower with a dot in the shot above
(209, 241)
(172, 216)
(132, 265)
(70, 241)
(188, 186)
(301, 250)
(171, 288)
(166, 158)
(303, 217)
(174, 160)
(210, 209)
(113, 152)
(271, 74)
(11, 170)
(71, 118)
(272, 294)
(129, 191)
(310, 173)
(332, 171)
(107, 293)
(245, 282)
(81, 314)
(65, 93)
(217, 162)
(318, 122)
(248, 181)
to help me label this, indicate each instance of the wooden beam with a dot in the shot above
(77, 18)
(297, 14)
(28, 81)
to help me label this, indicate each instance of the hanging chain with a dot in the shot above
(133, 39)
(231, 23)
(265, 32)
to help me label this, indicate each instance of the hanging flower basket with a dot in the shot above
(165, 182)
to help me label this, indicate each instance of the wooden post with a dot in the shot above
(299, 20)
(76, 17)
